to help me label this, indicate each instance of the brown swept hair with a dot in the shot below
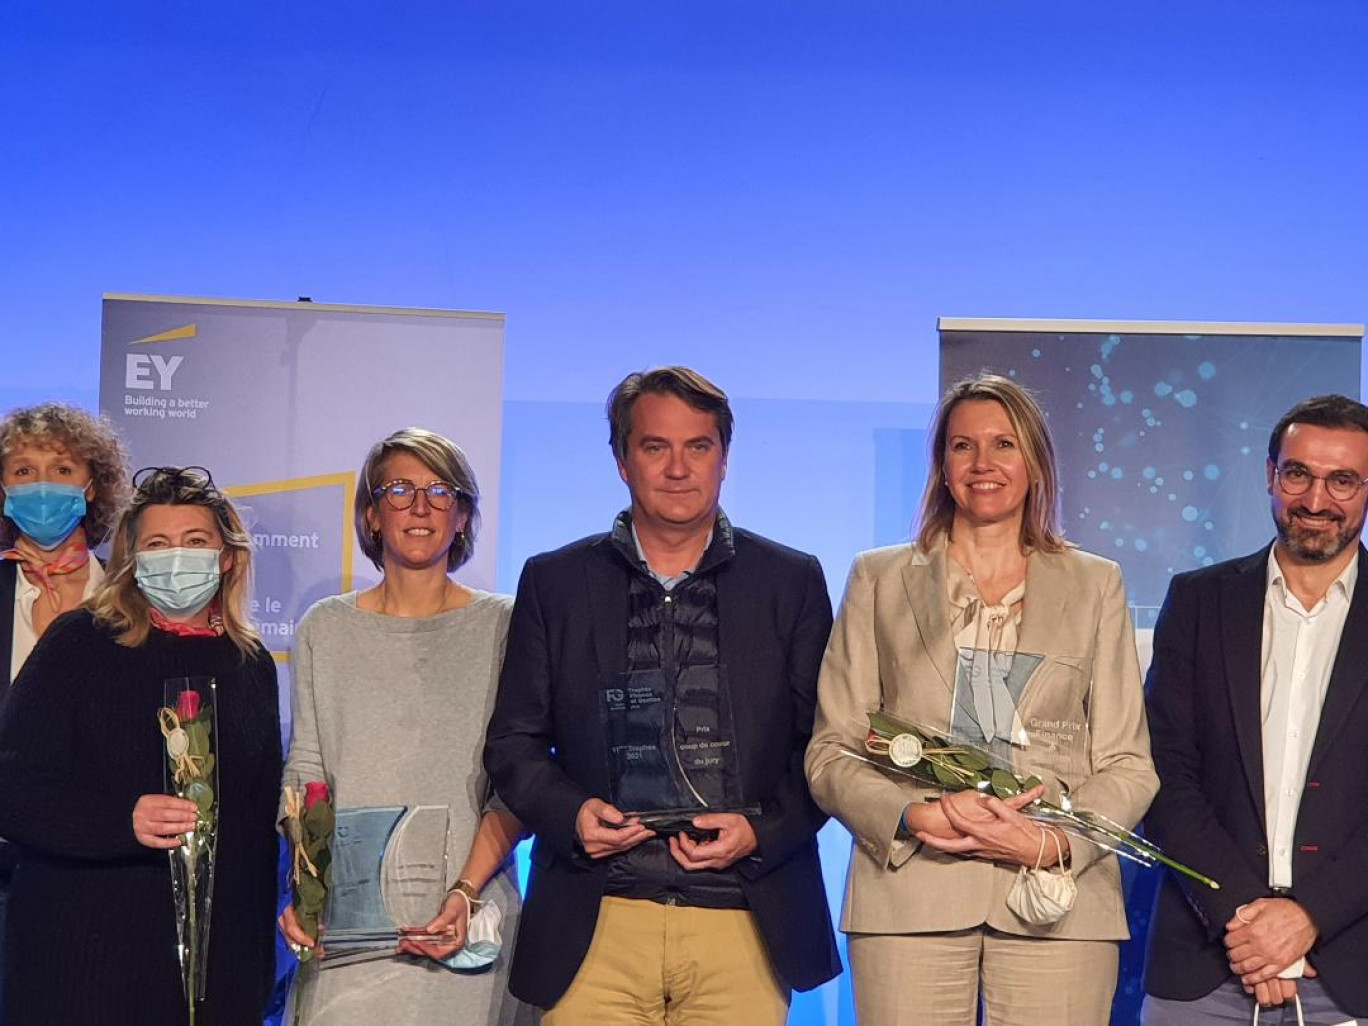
(682, 383)
(120, 604)
(86, 437)
(1040, 520)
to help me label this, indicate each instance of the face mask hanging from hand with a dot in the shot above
(45, 511)
(1040, 897)
(178, 582)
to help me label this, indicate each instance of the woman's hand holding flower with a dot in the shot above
(991, 829)
(294, 934)
(159, 820)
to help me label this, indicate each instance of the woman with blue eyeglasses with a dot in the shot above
(392, 689)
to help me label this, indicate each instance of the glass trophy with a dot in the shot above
(388, 874)
(672, 747)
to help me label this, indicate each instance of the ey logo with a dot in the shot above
(151, 370)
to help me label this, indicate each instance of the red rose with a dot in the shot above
(188, 705)
(314, 793)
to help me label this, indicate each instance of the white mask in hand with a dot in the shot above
(1040, 897)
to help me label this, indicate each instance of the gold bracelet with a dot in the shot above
(468, 890)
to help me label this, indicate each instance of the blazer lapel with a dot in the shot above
(1048, 596)
(748, 682)
(1242, 597)
(928, 599)
(1350, 672)
(9, 573)
(606, 593)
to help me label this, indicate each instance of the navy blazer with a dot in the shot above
(545, 750)
(1206, 738)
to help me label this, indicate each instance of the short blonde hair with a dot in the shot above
(120, 604)
(86, 437)
(444, 458)
(1040, 521)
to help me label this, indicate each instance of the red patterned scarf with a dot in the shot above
(185, 630)
(44, 565)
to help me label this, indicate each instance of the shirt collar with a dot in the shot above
(1342, 587)
(719, 547)
(27, 590)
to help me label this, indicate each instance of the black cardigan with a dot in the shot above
(90, 935)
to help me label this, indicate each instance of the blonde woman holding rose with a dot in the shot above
(92, 931)
(989, 629)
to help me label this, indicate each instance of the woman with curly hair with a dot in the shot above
(63, 477)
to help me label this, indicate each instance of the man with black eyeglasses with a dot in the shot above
(1258, 711)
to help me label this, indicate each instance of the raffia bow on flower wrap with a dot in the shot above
(309, 824)
(922, 755)
(186, 718)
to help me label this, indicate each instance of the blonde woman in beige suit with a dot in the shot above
(989, 629)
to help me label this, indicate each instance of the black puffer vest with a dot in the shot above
(668, 630)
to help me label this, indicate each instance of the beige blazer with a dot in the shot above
(1083, 709)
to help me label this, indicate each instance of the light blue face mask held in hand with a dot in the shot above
(178, 582)
(46, 511)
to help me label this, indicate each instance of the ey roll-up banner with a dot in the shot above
(281, 401)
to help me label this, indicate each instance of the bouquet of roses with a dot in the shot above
(920, 754)
(309, 824)
(186, 719)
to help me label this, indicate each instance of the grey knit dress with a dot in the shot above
(393, 711)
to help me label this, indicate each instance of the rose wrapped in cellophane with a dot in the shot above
(920, 754)
(309, 824)
(187, 718)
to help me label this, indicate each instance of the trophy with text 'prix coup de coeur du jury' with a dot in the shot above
(672, 747)
(386, 873)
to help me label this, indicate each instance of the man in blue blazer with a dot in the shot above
(1258, 713)
(715, 918)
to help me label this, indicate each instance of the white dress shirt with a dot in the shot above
(1299, 647)
(26, 593)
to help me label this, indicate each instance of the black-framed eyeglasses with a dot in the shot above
(154, 478)
(401, 493)
(1341, 485)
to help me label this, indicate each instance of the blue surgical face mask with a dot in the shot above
(45, 511)
(179, 582)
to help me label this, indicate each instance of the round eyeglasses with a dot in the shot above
(1342, 485)
(401, 493)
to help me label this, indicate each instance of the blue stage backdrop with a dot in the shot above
(1162, 435)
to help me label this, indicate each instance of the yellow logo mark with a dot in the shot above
(184, 331)
(347, 480)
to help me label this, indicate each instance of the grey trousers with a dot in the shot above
(1229, 1004)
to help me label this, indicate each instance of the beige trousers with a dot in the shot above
(671, 965)
(937, 979)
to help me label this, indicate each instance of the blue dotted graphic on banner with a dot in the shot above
(1161, 439)
(1162, 442)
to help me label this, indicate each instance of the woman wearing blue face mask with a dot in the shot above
(63, 478)
(92, 929)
